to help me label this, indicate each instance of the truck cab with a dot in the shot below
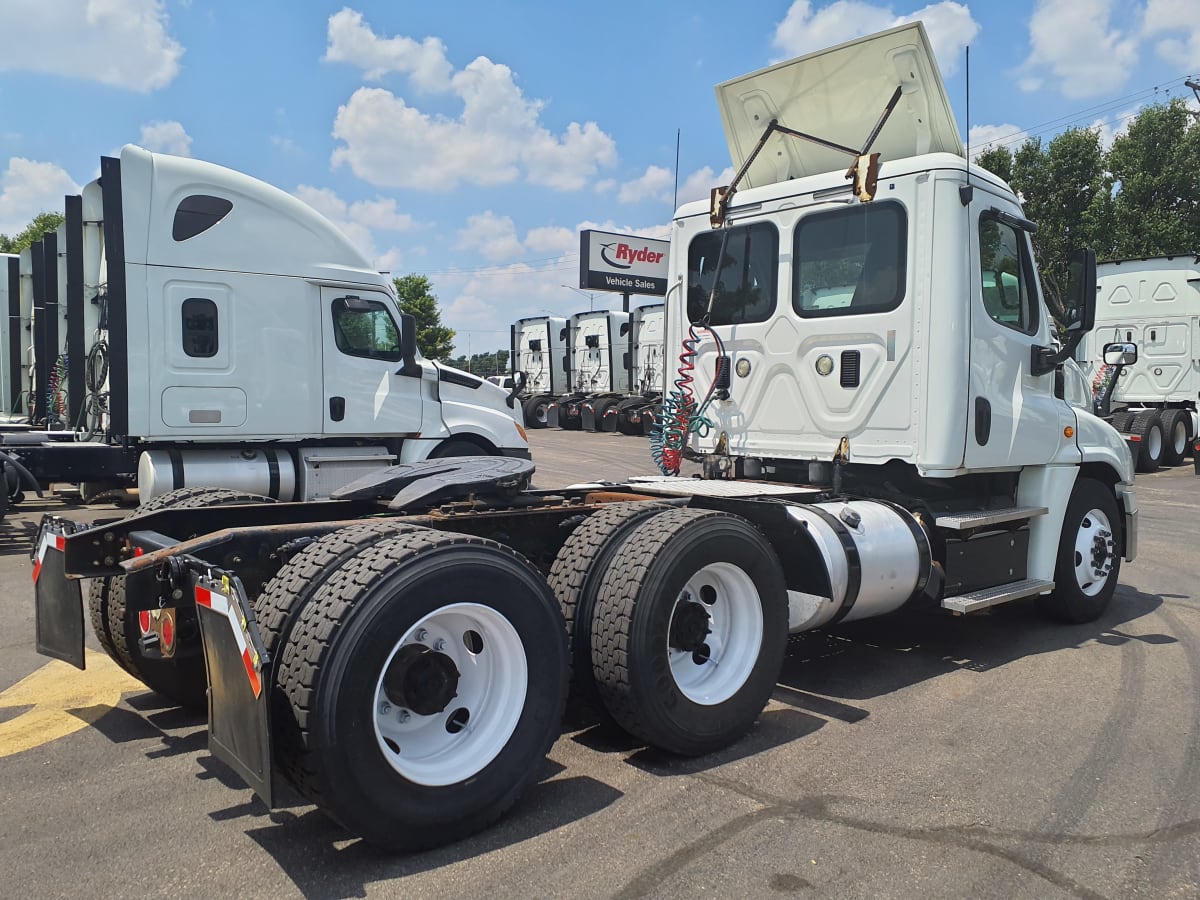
(903, 334)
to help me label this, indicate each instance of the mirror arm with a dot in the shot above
(1043, 360)
(1101, 405)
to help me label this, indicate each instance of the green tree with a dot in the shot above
(1156, 208)
(416, 298)
(41, 224)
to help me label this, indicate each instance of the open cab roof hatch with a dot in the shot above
(878, 96)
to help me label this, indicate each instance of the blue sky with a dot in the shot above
(470, 141)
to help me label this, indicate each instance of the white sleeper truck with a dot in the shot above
(220, 332)
(1155, 304)
(873, 407)
(597, 349)
(539, 353)
(635, 413)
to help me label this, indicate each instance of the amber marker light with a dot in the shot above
(1068, 431)
(521, 431)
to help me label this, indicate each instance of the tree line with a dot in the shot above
(1138, 198)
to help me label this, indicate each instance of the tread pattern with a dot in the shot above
(293, 586)
(576, 574)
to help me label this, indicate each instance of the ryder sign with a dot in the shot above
(622, 262)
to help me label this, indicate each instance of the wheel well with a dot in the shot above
(466, 438)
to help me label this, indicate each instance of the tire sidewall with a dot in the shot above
(649, 664)
(364, 789)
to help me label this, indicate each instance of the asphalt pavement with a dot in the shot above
(918, 755)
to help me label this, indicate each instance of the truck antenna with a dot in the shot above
(967, 192)
(675, 196)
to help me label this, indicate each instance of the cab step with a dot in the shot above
(977, 519)
(993, 596)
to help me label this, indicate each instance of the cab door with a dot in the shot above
(1013, 417)
(364, 392)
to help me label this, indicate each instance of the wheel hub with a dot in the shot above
(421, 679)
(689, 628)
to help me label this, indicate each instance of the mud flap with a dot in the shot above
(58, 600)
(239, 679)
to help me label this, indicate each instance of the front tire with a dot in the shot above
(425, 683)
(689, 630)
(1089, 556)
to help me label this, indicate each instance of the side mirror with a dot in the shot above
(408, 345)
(1079, 299)
(1120, 354)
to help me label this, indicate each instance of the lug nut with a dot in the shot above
(385, 708)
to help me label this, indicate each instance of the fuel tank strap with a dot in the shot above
(853, 561)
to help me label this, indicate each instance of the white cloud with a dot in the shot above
(984, 137)
(1074, 42)
(552, 239)
(803, 30)
(493, 237)
(655, 184)
(122, 43)
(356, 220)
(28, 188)
(1177, 25)
(497, 139)
(166, 137)
(351, 40)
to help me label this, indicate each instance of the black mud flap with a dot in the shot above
(552, 412)
(239, 680)
(58, 600)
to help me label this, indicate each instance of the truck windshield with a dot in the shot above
(850, 261)
(746, 284)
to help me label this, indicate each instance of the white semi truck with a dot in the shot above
(633, 413)
(877, 422)
(220, 332)
(539, 352)
(597, 350)
(1154, 303)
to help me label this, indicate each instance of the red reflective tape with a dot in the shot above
(255, 682)
(1136, 438)
(204, 596)
(37, 569)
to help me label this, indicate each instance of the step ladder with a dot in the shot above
(965, 521)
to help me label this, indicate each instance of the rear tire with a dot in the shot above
(1089, 556)
(575, 578)
(1176, 426)
(458, 446)
(537, 411)
(181, 678)
(402, 646)
(689, 630)
(1148, 426)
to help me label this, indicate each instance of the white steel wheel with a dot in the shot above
(715, 633)
(1154, 443)
(450, 694)
(1094, 552)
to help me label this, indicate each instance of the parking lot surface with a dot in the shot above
(917, 755)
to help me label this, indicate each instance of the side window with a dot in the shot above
(365, 328)
(198, 213)
(748, 276)
(850, 261)
(1004, 273)
(200, 338)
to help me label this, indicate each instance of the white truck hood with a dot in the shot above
(838, 95)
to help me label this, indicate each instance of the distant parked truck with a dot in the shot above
(635, 413)
(539, 350)
(1155, 304)
(232, 337)
(597, 345)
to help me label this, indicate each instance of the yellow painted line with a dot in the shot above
(62, 700)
